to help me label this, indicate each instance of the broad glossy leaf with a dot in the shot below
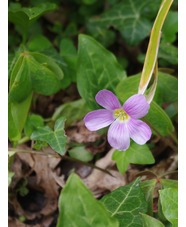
(73, 111)
(56, 139)
(17, 115)
(39, 43)
(69, 54)
(168, 54)
(78, 207)
(97, 69)
(24, 17)
(125, 203)
(81, 153)
(45, 74)
(168, 183)
(136, 154)
(130, 17)
(169, 202)
(167, 88)
(150, 221)
(159, 119)
(33, 121)
(148, 190)
(20, 81)
(61, 62)
(170, 27)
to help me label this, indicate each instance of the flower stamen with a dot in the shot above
(121, 115)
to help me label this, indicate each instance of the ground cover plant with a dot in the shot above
(92, 113)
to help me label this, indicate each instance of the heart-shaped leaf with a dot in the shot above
(56, 139)
(78, 207)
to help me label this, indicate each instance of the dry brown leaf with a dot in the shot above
(81, 134)
(99, 182)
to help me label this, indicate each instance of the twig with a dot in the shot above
(58, 156)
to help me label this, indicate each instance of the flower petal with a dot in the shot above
(108, 100)
(136, 106)
(118, 136)
(139, 131)
(98, 119)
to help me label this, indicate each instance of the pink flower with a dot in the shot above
(123, 119)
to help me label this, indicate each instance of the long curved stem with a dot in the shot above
(58, 156)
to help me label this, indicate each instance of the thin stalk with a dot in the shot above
(24, 140)
(63, 157)
(162, 137)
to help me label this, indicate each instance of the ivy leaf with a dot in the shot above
(136, 154)
(130, 17)
(148, 190)
(169, 202)
(168, 183)
(73, 111)
(125, 203)
(97, 69)
(24, 17)
(150, 221)
(168, 54)
(56, 139)
(83, 210)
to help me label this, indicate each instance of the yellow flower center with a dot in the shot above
(121, 114)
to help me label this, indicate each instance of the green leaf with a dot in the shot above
(97, 69)
(125, 203)
(69, 54)
(172, 111)
(73, 111)
(39, 43)
(56, 139)
(33, 121)
(83, 210)
(168, 54)
(150, 221)
(17, 115)
(136, 154)
(45, 73)
(159, 119)
(10, 175)
(81, 153)
(69, 74)
(170, 27)
(104, 36)
(169, 202)
(148, 190)
(168, 183)
(39, 144)
(130, 17)
(24, 17)
(20, 81)
(169, 87)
